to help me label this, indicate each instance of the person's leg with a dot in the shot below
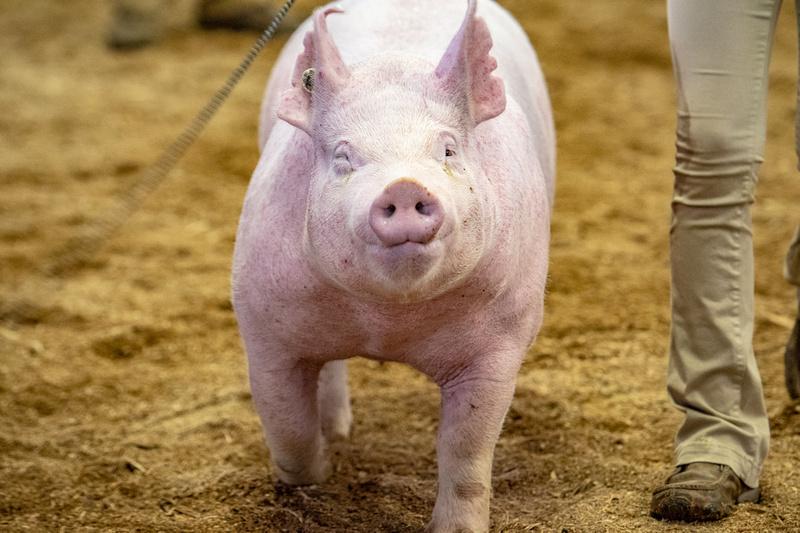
(791, 358)
(721, 52)
(242, 15)
(791, 271)
(135, 23)
(792, 267)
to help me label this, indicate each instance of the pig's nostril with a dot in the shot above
(405, 212)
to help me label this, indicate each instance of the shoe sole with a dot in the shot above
(749, 496)
(676, 507)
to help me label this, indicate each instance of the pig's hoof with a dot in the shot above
(312, 475)
(434, 528)
(458, 520)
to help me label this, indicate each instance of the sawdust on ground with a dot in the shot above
(123, 396)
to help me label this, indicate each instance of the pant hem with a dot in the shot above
(743, 466)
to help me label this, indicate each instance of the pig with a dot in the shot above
(400, 211)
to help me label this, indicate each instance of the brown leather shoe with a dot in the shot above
(791, 361)
(700, 492)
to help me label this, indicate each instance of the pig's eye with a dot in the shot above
(341, 160)
(449, 152)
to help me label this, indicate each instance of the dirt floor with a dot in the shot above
(124, 403)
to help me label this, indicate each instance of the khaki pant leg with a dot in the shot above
(791, 269)
(721, 52)
(151, 10)
(134, 22)
(139, 22)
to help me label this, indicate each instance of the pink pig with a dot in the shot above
(400, 211)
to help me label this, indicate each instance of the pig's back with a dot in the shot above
(425, 28)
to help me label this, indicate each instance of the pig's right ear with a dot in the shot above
(318, 72)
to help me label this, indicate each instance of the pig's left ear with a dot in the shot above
(318, 72)
(467, 66)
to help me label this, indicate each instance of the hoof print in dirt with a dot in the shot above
(28, 312)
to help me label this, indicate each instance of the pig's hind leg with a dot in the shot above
(334, 401)
(286, 400)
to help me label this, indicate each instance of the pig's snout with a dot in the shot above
(406, 212)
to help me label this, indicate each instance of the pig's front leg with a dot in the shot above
(285, 396)
(473, 408)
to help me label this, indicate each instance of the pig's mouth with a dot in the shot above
(410, 271)
(409, 259)
(406, 251)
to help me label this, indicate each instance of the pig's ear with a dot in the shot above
(328, 75)
(467, 66)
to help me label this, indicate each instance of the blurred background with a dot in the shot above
(124, 403)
